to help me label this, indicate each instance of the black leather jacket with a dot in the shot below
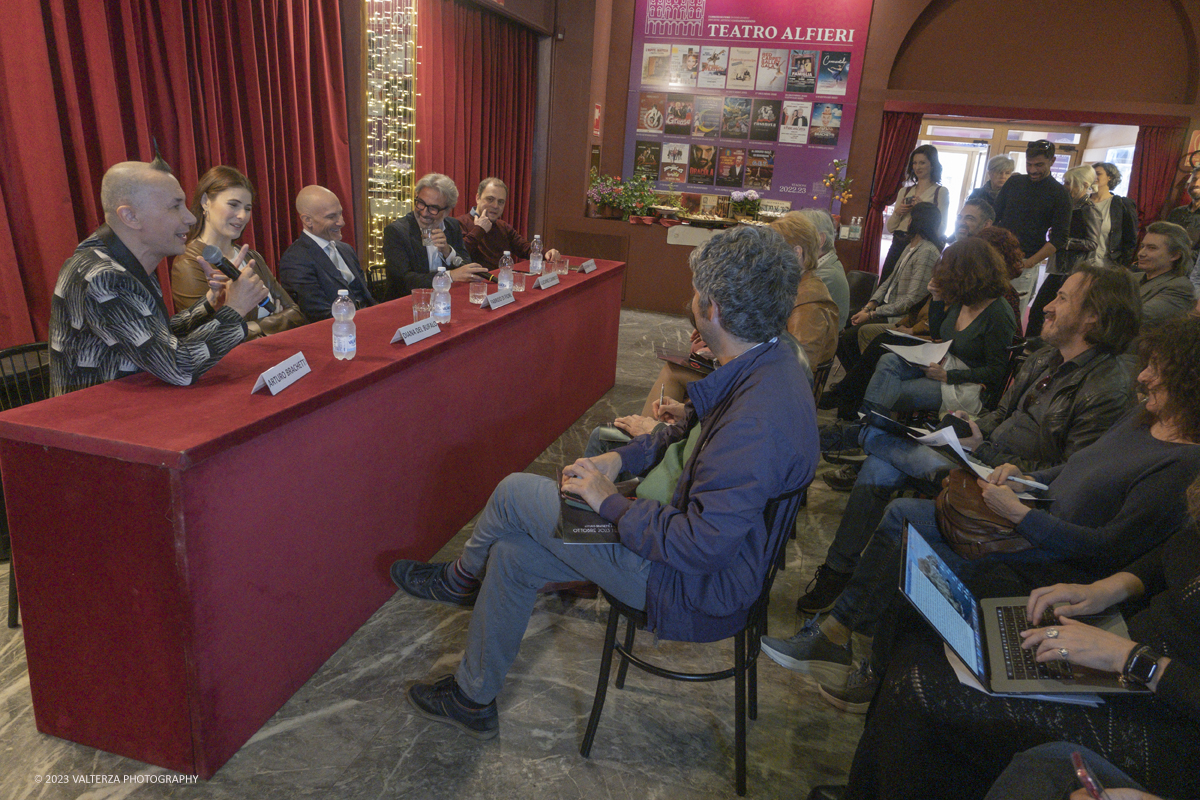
(1086, 405)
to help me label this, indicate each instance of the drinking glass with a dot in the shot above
(518, 281)
(477, 291)
(420, 311)
(562, 265)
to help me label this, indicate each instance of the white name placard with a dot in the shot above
(283, 374)
(417, 331)
(500, 298)
(588, 266)
(547, 280)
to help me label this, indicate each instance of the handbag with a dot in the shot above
(968, 525)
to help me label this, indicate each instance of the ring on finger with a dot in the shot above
(1052, 633)
(1062, 651)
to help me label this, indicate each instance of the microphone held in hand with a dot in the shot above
(213, 255)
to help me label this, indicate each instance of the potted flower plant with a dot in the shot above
(744, 205)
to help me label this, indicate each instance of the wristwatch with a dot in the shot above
(1141, 666)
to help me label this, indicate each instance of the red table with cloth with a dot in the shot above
(188, 557)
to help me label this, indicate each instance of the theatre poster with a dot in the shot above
(727, 95)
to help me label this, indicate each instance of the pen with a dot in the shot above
(1030, 484)
(660, 396)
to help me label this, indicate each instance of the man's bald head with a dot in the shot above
(320, 212)
(125, 182)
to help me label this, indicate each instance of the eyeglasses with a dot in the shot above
(423, 206)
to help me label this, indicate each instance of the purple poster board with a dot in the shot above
(744, 94)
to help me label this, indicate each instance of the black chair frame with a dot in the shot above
(24, 379)
(746, 645)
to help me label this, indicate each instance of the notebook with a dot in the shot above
(985, 634)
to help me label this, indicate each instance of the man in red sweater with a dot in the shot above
(487, 236)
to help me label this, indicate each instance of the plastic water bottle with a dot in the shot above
(439, 310)
(535, 256)
(345, 343)
(504, 278)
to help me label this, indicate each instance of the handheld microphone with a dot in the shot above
(213, 255)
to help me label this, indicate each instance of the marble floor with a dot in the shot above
(349, 732)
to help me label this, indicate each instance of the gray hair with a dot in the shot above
(1179, 243)
(1001, 164)
(751, 273)
(1081, 177)
(1113, 172)
(821, 220)
(443, 184)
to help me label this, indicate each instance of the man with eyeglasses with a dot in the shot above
(1029, 205)
(1063, 398)
(415, 245)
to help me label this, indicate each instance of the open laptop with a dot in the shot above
(986, 635)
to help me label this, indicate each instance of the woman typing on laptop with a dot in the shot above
(928, 736)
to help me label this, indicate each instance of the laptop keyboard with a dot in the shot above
(1018, 662)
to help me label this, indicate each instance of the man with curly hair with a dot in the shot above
(694, 544)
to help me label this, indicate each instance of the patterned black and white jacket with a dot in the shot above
(108, 320)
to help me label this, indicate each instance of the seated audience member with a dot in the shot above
(930, 737)
(1000, 169)
(847, 395)
(978, 322)
(813, 323)
(695, 557)
(1083, 237)
(424, 239)
(319, 264)
(222, 205)
(107, 316)
(1046, 772)
(904, 288)
(974, 216)
(829, 267)
(1063, 398)
(486, 235)
(1109, 504)
(1118, 219)
(1161, 274)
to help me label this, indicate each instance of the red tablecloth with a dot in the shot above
(188, 557)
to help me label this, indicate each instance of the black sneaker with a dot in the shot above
(839, 437)
(843, 479)
(444, 702)
(430, 582)
(811, 653)
(823, 590)
(855, 695)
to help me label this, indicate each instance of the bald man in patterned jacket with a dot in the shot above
(107, 316)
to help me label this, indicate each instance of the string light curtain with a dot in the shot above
(257, 86)
(477, 92)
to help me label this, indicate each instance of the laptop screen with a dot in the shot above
(943, 600)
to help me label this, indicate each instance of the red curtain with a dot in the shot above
(258, 86)
(897, 139)
(1154, 174)
(477, 80)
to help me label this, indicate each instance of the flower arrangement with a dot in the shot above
(632, 196)
(745, 203)
(839, 186)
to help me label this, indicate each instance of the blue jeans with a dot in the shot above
(900, 386)
(513, 538)
(1045, 772)
(893, 463)
(877, 577)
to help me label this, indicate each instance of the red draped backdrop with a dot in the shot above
(897, 139)
(477, 80)
(1155, 173)
(258, 86)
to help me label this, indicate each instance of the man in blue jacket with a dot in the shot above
(694, 560)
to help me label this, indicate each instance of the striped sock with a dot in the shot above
(459, 579)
